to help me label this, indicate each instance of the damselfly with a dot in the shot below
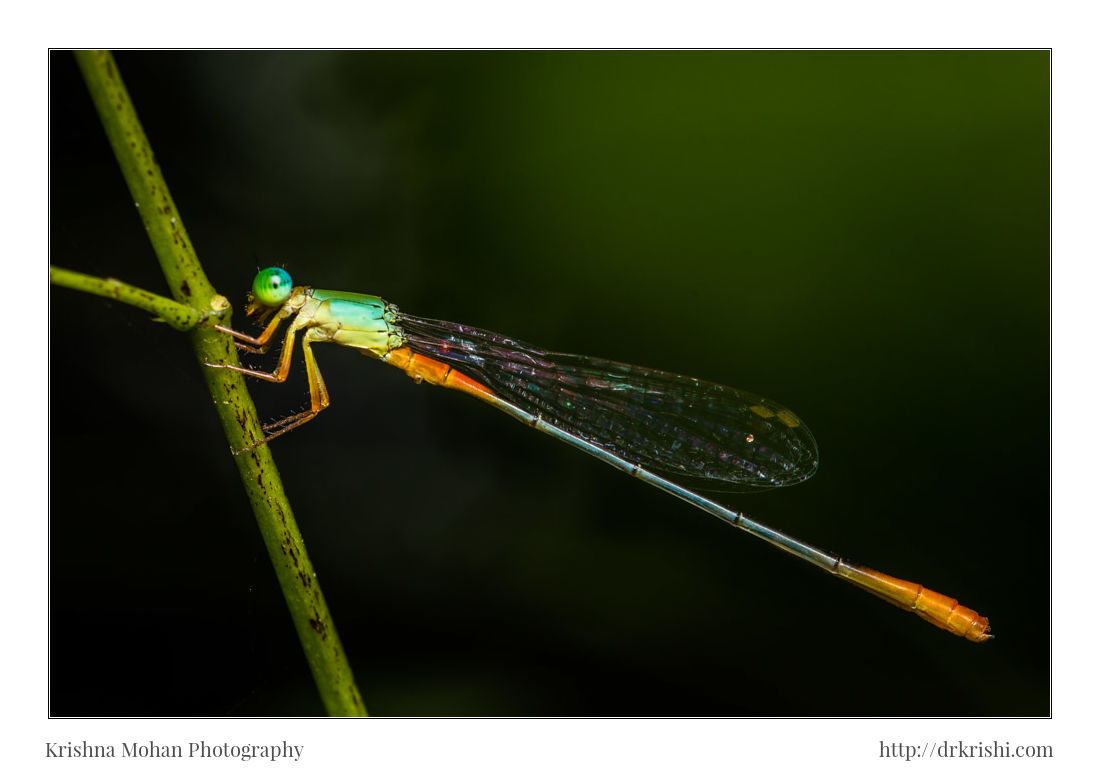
(679, 434)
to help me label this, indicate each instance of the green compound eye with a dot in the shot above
(272, 287)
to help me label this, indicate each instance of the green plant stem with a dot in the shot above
(193, 293)
(174, 314)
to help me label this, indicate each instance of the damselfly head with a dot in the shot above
(272, 287)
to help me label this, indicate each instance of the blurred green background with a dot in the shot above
(862, 236)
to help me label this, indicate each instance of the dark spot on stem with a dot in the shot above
(185, 289)
(320, 627)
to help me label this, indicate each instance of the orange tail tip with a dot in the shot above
(937, 609)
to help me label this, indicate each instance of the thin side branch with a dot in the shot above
(174, 314)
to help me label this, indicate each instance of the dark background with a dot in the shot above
(861, 236)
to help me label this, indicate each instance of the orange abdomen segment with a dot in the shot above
(424, 368)
(937, 609)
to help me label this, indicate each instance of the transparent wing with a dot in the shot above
(711, 436)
